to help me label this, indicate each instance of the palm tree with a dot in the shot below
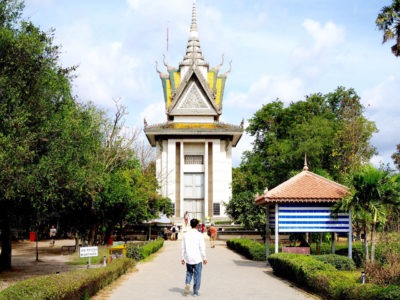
(388, 21)
(371, 191)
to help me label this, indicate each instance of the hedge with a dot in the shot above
(338, 261)
(139, 252)
(78, 284)
(324, 279)
(249, 248)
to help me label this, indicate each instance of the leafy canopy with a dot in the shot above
(330, 129)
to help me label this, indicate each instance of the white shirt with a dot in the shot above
(193, 247)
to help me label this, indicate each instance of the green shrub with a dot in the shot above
(141, 251)
(338, 261)
(298, 268)
(388, 246)
(248, 248)
(325, 280)
(357, 255)
(133, 251)
(79, 284)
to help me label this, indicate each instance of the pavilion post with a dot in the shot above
(267, 233)
(276, 228)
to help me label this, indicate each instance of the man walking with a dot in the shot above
(194, 255)
(52, 233)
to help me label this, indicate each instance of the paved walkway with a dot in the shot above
(226, 276)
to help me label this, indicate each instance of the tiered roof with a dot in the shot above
(193, 96)
(304, 187)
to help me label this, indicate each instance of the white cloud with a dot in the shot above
(153, 113)
(244, 144)
(106, 69)
(328, 36)
(165, 9)
(382, 104)
(323, 53)
(266, 89)
(134, 4)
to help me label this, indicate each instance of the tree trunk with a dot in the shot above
(366, 245)
(373, 233)
(92, 235)
(5, 256)
(319, 244)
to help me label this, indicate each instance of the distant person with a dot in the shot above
(194, 255)
(186, 218)
(174, 234)
(212, 233)
(166, 233)
(52, 233)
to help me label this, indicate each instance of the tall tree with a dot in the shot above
(61, 160)
(241, 207)
(388, 21)
(393, 215)
(396, 156)
(330, 129)
(351, 147)
(33, 88)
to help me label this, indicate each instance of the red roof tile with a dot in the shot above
(304, 187)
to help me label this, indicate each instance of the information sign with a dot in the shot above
(89, 251)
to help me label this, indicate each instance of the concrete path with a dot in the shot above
(226, 276)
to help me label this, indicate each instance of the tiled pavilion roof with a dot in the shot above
(305, 187)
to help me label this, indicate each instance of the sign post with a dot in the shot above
(89, 252)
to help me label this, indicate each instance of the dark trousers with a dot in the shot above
(194, 271)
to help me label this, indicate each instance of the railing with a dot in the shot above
(194, 159)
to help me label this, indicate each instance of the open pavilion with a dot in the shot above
(303, 204)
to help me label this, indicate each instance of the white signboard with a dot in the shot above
(89, 251)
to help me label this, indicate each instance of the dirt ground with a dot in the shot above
(24, 264)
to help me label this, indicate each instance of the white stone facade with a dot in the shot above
(211, 159)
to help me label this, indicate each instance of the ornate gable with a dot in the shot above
(193, 97)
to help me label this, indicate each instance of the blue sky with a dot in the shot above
(282, 49)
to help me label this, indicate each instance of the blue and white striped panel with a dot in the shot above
(272, 216)
(309, 218)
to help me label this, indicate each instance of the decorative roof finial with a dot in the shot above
(305, 168)
(193, 54)
(162, 75)
(169, 68)
(228, 71)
